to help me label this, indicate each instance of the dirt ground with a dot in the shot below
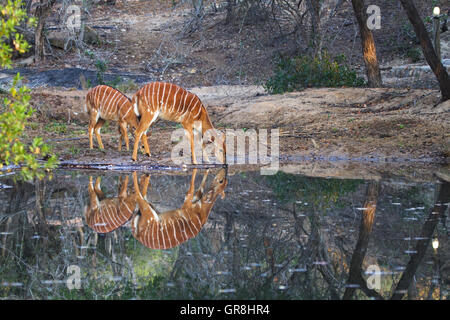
(221, 63)
(348, 124)
(152, 38)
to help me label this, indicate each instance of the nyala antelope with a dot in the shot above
(171, 102)
(171, 228)
(106, 103)
(104, 215)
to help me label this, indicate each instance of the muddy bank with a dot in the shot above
(404, 171)
(364, 125)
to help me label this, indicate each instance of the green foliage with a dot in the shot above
(60, 128)
(290, 187)
(405, 42)
(127, 85)
(119, 83)
(304, 72)
(414, 54)
(101, 67)
(15, 109)
(13, 14)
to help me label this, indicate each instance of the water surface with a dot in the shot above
(287, 236)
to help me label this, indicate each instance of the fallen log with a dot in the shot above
(129, 167)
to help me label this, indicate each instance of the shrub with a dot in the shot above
(305, 72)
(15, 109)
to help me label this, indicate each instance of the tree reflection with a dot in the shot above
(309, 239)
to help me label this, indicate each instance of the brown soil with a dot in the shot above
(365, 125)
(362, 125)
(150, 37)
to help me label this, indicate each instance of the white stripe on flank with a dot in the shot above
(152, 234)
(113, 216)
(126, 205)
(184, 229)
(190, 229)
(174, 231)
(167, 234)
(112, 104)
(179, 103)
(123, 103)
(172, 110)
(184, 103)
(153, 96)
(93, 93)
(104, 104)
(199, 224)
(119, 107)
(108, 217)
(161, 103)
(116, 103)
(157, 232)
(179, 228)
(97, 96)
(188, 109)
(157, 96)
(168, 96)
(102, 100)
(161, 229)
(145, 92)
(128, 110)
(199, 110)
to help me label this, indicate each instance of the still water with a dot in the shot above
(209, 235)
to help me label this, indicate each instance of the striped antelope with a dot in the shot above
(171, 102)
(171, 228)
(106, 103)
(106, 215)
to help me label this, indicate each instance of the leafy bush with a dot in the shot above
(15, 109)
(101, 67)
(304, 72)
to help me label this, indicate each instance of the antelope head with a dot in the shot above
(215, 138)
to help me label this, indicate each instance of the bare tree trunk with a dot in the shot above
(316, 36)
(441, 205)
(230, 10)
(368, 45)
(42, 13)
(427, 48)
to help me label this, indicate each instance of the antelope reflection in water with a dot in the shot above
(106, 215)
(171, 228)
